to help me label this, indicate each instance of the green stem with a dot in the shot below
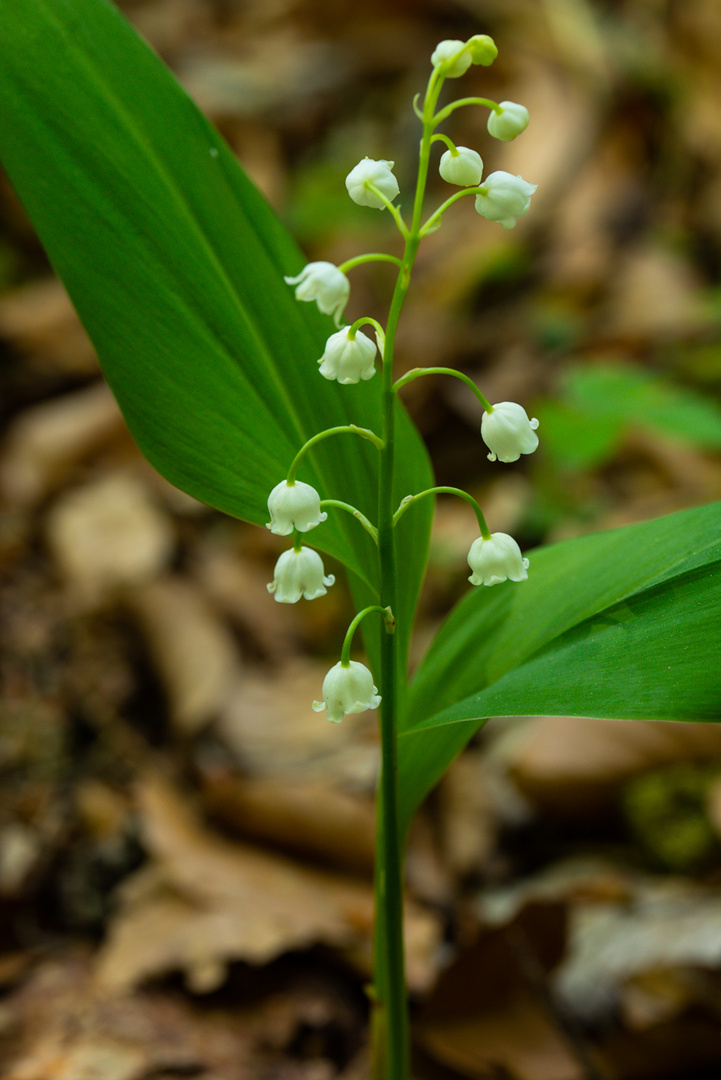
(415, 373)
(445, 113)
(440, 137)
(366, 320)
(390, 624)
(437, 214)
(370, 529)
(410, 499)
(364, 433)
(391, 1056)
(374, 256)
(402, 227)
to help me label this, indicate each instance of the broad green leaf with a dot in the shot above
(175, 264)
(624, 624)
(601, 402)
(644, 398)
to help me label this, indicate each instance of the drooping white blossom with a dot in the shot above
(348, 359)
(505, 198)
(294, 506)
(508, 433)
(509, 122)
(378, 173)
(324, 283)
(495, 560)
(464, 168)
(299, 573)
(347, 689)
(445, 51)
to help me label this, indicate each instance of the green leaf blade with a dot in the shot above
(622, 625)
(175, 264)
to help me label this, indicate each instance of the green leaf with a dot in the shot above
(624, 624)
(175, 264)
(601, 402)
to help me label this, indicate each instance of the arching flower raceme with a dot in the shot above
(445, 50)
(495, 560)
(505, 198)
(348, 359)
(293, 506)
(508, 433)
(464, 168)
(378, 173)
(509, 122)
(299, 573)
(324, 283)
(347, 689)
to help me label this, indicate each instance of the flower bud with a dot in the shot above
(324, 283)
(445, 51)
(377, 173)
(482, 49)
(464, 168)
(504, 198)
(348, 359)
(347, 689)
(509, 122)
(293, 506)
(495, 560)
(299, 573)
(508, 433)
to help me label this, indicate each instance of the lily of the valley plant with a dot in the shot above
(350, 356)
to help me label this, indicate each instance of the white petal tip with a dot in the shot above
(318, 706)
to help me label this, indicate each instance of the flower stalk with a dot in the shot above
(349, 357)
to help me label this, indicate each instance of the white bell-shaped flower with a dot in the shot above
(324, 283)
(508, 433)
(347, 689)
(378, 173)
(445, 51)
(506, 198)
(299, 573)
(348, 359)
(294, 506)
(464, 168)
(509, 122)
(496, 559)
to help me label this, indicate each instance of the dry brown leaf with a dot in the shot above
(64, 1029)
(193, 649)
(668, 925)
(108, 534)
(273, 731)
(485, 1016)
(204, 902)
(468, 814)
(574, 766)
(305, 816)
(46, 441)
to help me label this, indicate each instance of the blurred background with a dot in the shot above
(185, 847)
